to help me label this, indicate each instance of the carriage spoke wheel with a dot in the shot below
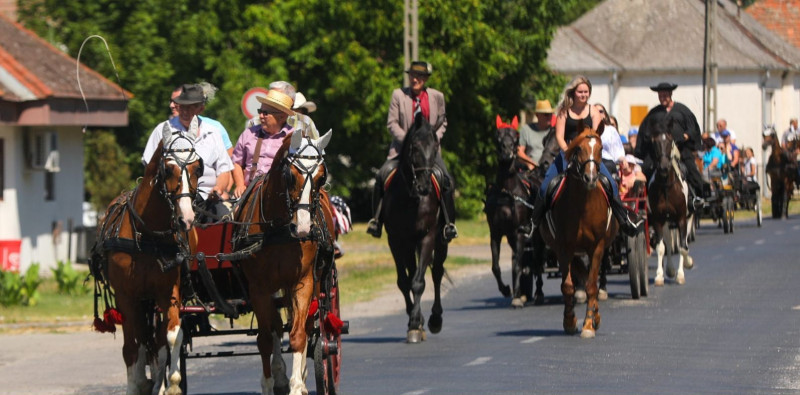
(633, 266)
(759, 215)
(328, 347)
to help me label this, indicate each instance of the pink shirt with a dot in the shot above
(246, 147)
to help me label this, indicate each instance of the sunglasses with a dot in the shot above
(269, 112)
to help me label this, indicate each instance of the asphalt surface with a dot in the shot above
(732, 329)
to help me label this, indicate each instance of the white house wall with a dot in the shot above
(37, 217)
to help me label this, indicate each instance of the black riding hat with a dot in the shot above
(663, 86)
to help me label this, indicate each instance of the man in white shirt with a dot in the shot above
(722, 125)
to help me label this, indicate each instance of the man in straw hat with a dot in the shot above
(685, 132)
(207, 143)
(406, 102)
(257, 145)
(531, 135)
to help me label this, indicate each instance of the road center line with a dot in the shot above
(759, 242)
(532, 340)
(417, 392)
(479, 361)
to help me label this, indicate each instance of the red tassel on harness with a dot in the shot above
(333, 324)
(313, 307)
(101, 326)
(112, 316)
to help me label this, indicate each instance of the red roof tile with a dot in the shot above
(779, 16)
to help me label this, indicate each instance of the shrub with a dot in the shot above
(30, 285)
(20, 290)
(68, 279)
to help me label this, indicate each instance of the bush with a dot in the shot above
(20, 290)
(68, 279)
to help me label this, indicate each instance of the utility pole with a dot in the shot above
(410, 36)
(710, 68)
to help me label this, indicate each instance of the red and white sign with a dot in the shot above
(250, 104)
(9, 255)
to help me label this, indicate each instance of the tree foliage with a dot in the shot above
(345, 55)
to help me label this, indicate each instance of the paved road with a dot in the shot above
(732, 329)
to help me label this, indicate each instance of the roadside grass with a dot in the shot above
(366, 270)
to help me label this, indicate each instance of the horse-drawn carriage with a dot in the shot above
(720, 201)
(628, 254)
(162, 279)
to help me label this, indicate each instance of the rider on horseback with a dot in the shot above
(406, 102)
(685, 133)
(572, 112)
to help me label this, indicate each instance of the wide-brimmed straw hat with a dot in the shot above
(277, 100)
(543, 107)
(301, 102)
(663, 86)
(190, 94)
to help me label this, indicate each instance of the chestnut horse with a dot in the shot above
(782, 171)
(508, 213)
(276, 220)
(580, 223)
(143, 245)
(668, 198)
(414, 224)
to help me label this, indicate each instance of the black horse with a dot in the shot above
(414, 221)
(508, 213)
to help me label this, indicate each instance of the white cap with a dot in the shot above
(301, 102)
(632, 159)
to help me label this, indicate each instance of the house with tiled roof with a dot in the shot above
(782, 17)
(626, 46)
(43, 113)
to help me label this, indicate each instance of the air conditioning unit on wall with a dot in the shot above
(42, 151)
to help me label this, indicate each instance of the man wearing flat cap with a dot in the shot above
(208, 143)
(685, 133)
(403, 108)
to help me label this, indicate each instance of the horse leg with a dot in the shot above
(658, 238)
(437, 273)
(515, 242)
(405, 264)
(592, 321)
(579, 279)
(281, 384)
(538, 267)
(416, 331)
(495, 246)
(568, 292)
(134, 352)
(174, 337)
(298, 338)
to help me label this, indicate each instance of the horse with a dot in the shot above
(578, 223)
(508, 213)
(144, 243)
(782, 172)
(414, 225)
(668, 198)
(277, 222)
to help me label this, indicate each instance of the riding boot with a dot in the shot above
(448, 202)
(539, 208)
(374, 225)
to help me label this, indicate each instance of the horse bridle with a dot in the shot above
(578, 167)
(670, 156)
(294, 160)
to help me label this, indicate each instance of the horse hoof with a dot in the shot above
(415, 336)
(434, 324)
(538, 299)
(680, 280)
(587, 334)
(688, 263)
(517, 303)
(580, 296)
(658, 281)
(571, 326)
(506, 291)
(602, 295)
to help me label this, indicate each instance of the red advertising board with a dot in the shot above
(9, 255)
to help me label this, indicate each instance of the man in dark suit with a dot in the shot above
(685, 133)
(405, 104)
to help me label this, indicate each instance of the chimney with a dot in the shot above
(9, 9)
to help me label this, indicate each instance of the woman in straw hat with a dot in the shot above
(258, 144)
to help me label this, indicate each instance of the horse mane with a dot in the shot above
(418, 127)
(151, 170)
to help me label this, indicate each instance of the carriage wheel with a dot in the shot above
(759, 215)
(644, 275)
(633, 265)
(328, 348)
(729, 207)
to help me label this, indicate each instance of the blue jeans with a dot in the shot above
(558, 166)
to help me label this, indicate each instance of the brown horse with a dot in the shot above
(668, 198)
(782, 171)
(280, 214)
(143, 245)
(580, 222)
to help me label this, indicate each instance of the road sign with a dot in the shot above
(250, 104)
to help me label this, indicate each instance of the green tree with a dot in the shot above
(101, 153)
(346, 55)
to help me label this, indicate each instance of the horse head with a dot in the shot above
(304, 173)
(418, 156)
(662, 147)
(584, 155)
(507, 140)
(770, 137)
(179, 169)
